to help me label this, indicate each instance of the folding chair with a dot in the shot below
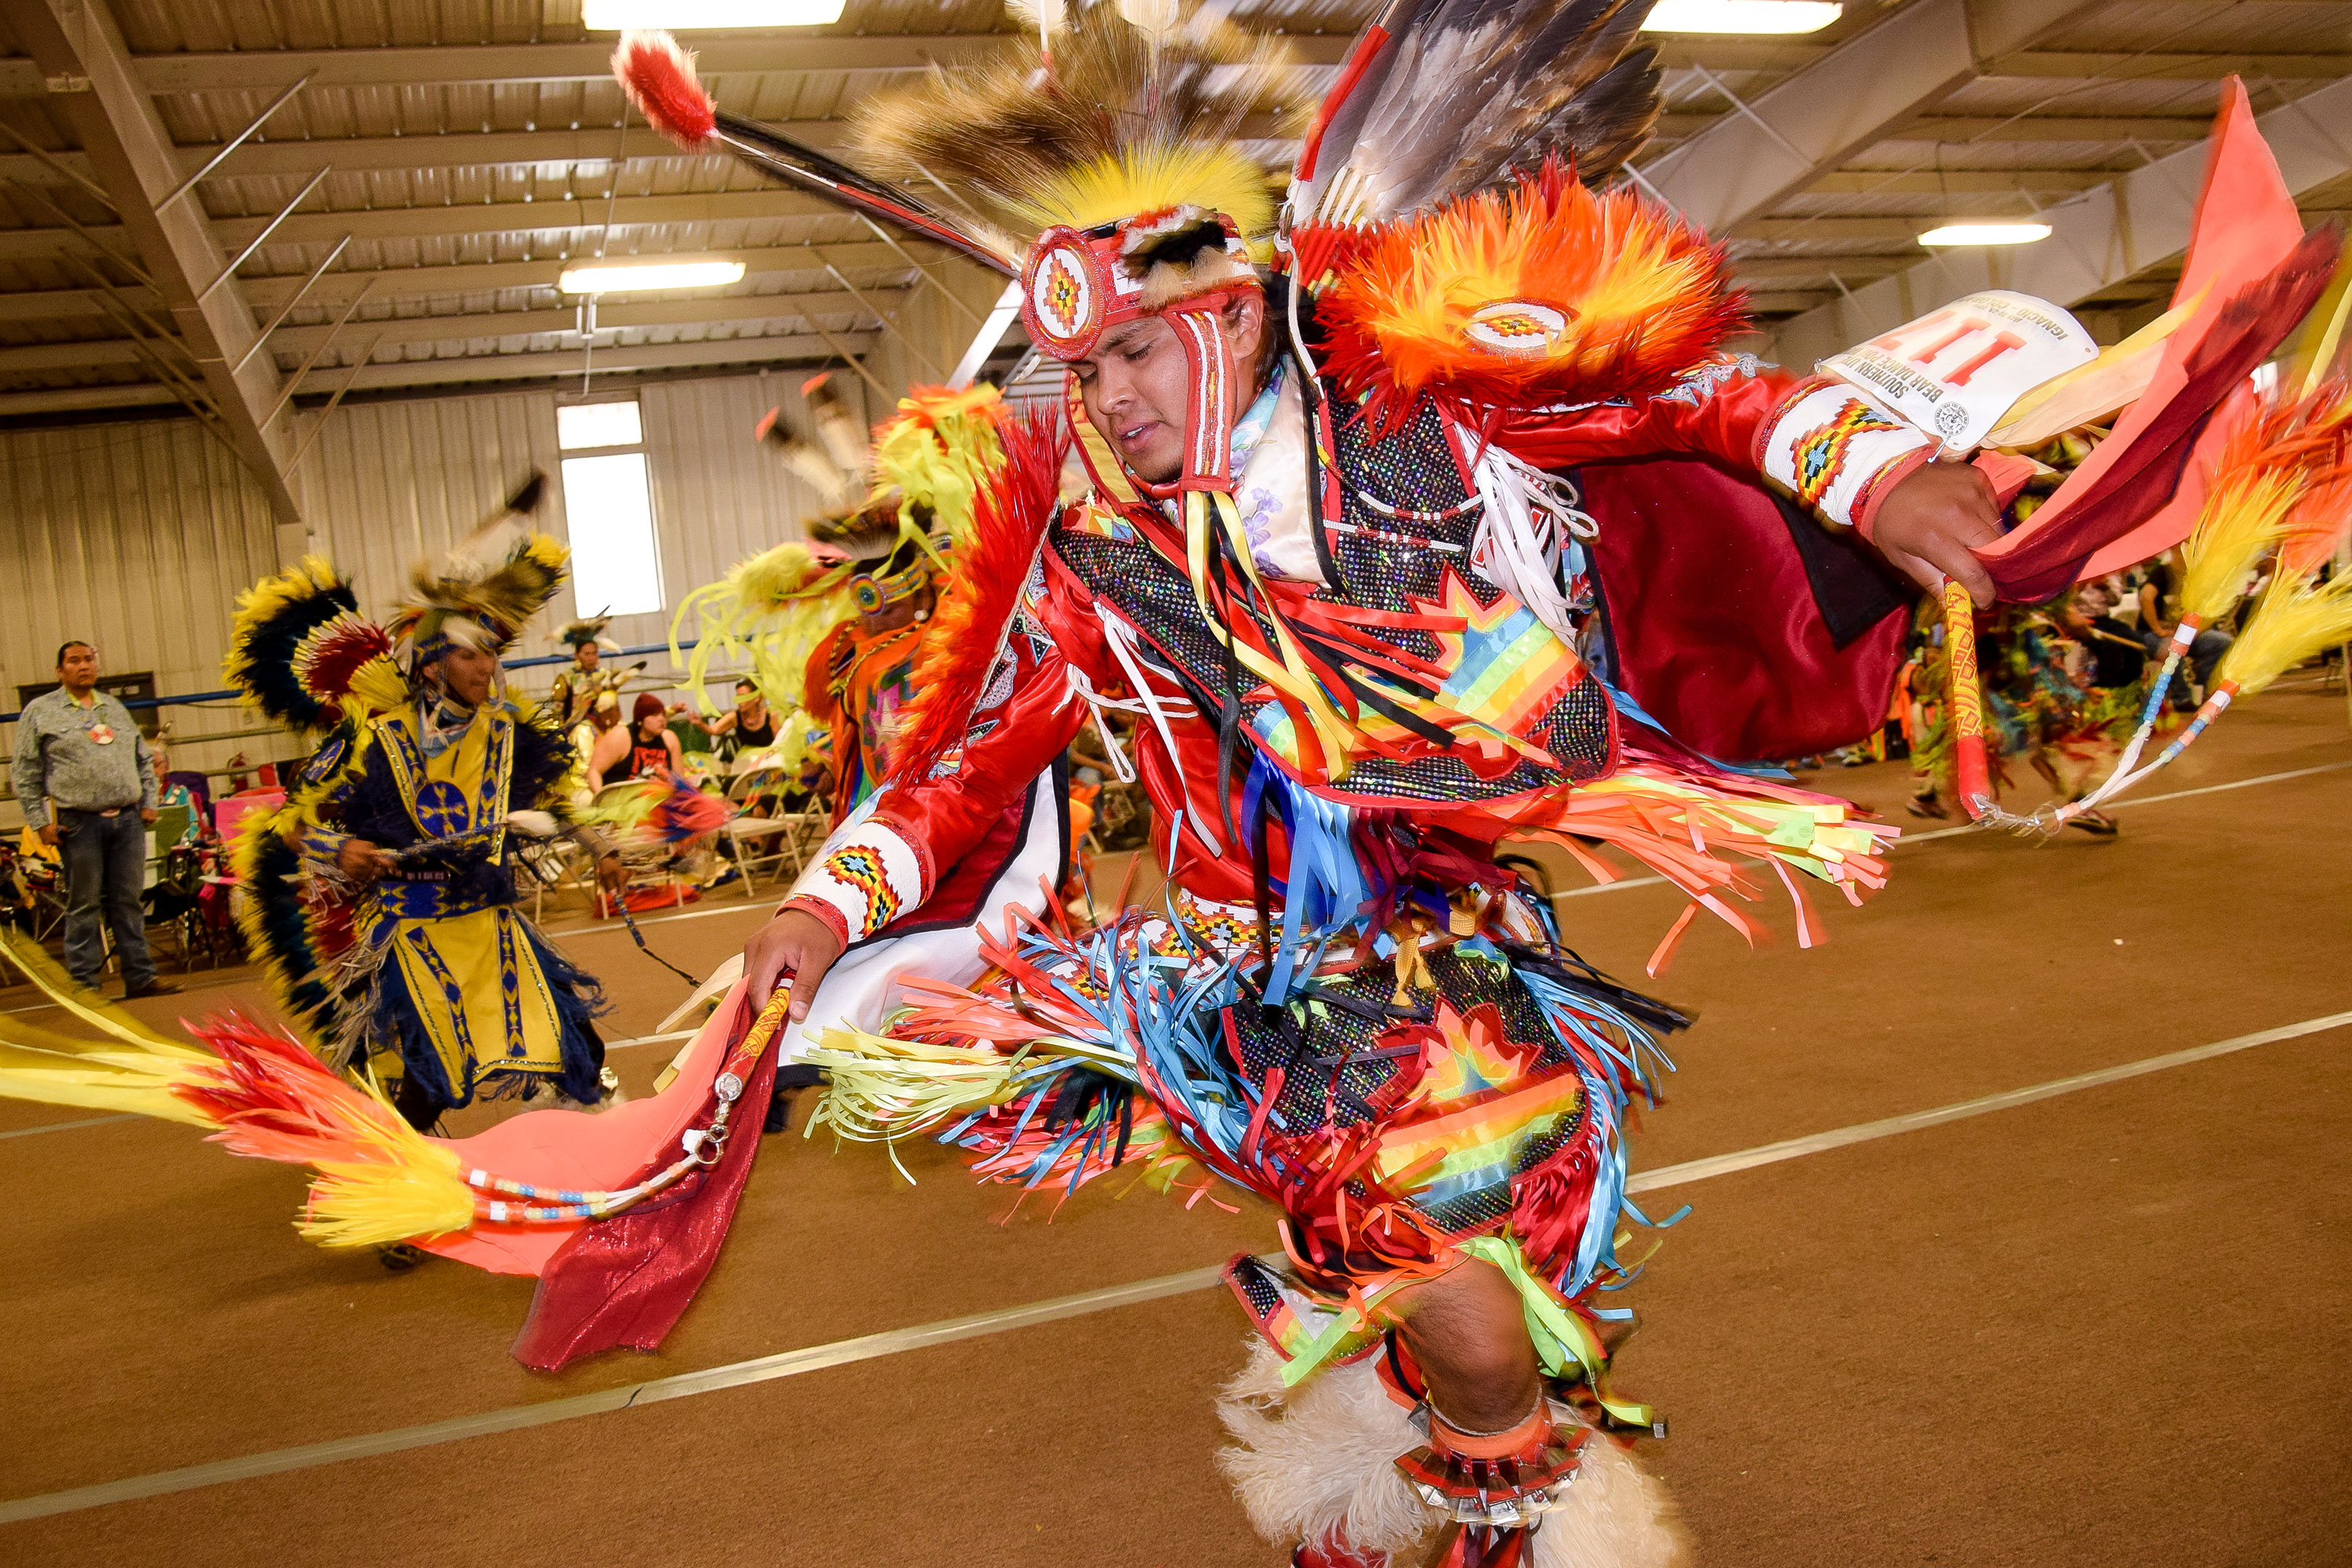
(743, 836)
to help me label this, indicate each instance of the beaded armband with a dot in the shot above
(870, 876)
(1837, 452)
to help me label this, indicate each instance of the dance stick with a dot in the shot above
(1965, 701)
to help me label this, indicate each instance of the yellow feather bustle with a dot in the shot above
(771, 611)
(937, 450)
(2245, 516)
(780, 599)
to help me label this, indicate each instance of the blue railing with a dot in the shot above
(230, 696)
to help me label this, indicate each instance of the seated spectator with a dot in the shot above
(2117, 656)
(642, 746)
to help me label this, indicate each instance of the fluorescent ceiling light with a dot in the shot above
(642, 276)
(1986, 234)
(678, 16)
(1732, 16)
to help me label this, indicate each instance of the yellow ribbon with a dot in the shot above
(1290, 675)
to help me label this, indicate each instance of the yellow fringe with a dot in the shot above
(124, 1082)
(416, 1193)
(882, 1089)
(2245, 516)
(53, 983)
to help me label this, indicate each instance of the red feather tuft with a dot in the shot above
(331, 656)
(985, 576)
(659, 78)
(274, 1101)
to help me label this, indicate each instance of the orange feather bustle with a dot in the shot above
(986, 572)
(1542, 293)
(2320, 445)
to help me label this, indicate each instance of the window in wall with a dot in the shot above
(616, 559)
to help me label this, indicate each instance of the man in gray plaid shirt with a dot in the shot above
(78, 749)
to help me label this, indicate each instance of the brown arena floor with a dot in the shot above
(2104, 1328)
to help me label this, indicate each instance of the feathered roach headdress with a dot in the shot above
(474, 598)
(588, 629)
(1115, 140)
(1114, 143)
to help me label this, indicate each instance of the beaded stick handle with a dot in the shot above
(1965, 701)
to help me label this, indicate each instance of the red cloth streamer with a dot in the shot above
(627, 1279)
(2137, 496)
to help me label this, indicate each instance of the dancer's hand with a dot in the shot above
(797, 943)
(611, 876)
(1928, 521)
(361, 860)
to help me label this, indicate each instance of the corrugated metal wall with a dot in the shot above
(138, 537)
(394, 481)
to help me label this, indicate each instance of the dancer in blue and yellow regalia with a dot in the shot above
(383, 894)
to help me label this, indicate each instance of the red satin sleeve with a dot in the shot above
(1006, 747)
(1717, 411)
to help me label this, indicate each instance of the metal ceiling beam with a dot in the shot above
(1956, 181)
(478, 370)
(32, 359)
(473, 219)
(798, 348)
(2079, 65)
(594, 147)
(451, 65)
(112, 116)
(81, 399)
(466, 220)
(1797, 228)
(1750, 269)
(2108, 236)
(1955, 128)
(1785, 302)
(442, 281)
(1785, 139)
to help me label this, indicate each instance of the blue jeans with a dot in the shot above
(106, 860)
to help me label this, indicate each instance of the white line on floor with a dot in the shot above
(62, 1126)
(894, 1341)
(1573, 893)
(1838, 1137)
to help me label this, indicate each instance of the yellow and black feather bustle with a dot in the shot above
(299, 646)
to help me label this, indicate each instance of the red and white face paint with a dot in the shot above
(1078, 285)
